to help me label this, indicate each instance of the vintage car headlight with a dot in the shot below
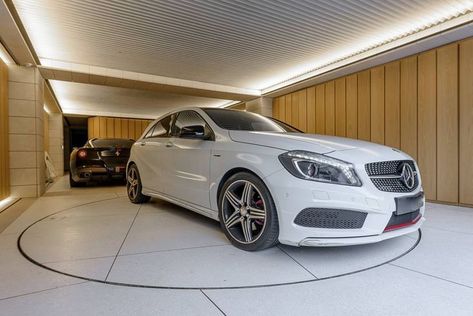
(311, 166)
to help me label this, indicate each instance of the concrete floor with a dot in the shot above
(93, 235)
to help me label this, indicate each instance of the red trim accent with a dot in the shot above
(398, 226)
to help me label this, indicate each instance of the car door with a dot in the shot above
(190, 164)
(154, 158)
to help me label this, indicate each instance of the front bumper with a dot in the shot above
(292, 195)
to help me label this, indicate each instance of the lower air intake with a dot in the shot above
(330, 218)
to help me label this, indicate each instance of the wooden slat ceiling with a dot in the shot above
(248, 44)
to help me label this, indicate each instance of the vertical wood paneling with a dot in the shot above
(330, 108)
(447, 123)
(4, 141)
(409, 106)
(144, 125)
(102, 127)
(340, 107)
(364, 107)
(276, 108)
(282, 108)
(302, 101)
(295, 110)
(118, 127)
(288, 106)
(90, 127)
(320, 109)
(377, 104)
(466, 122)
(110, 128)
(352, 106)
(124, 128)
(427, 122)
(392, 99)
(137, 129)
(131, 129)
(311, 110)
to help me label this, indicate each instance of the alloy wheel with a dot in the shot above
(132, 180)
(244, 211)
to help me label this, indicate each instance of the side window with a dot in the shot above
(160, 129)
(188, 118)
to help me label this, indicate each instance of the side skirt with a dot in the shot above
(196, 208)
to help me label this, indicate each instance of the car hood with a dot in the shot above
(340, 147)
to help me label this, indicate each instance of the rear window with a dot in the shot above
(247, 121)
(116, 142)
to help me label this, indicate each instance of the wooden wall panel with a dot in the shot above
(330, 108)
(118, 127)
(447, 120)
(364, 107)
(302, 104)
(466, 122)
(110, 127)
(276, 108)
(288, 106)
(340, 108)
(102, 127)
(409, 106)
(427, 122)
(377, 104)
(392, 113)
(311, 110)
(352, 106)
(90, 127)
(295, 110)
(282, 108)
(320, 109)
(96, 128)
(422, 104)
(131, 129)
(144, 125)
(138, 129)
(4, 138)
(124, 123)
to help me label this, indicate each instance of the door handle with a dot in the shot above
(142, 143)
(169, 144)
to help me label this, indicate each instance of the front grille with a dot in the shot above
(399, 221)
(386, 175)
(330, 218)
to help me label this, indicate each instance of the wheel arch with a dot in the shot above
(232, 172)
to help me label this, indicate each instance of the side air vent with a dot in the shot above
(330, 218)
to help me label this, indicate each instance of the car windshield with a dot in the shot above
(115, 142)
(247, 121)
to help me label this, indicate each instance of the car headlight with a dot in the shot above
(311, 166)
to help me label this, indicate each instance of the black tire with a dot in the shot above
(262, 233)
(134, 193)
(74, 184)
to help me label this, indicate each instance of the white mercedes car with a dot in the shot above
(267, 182)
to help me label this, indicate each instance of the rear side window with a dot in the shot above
(160, 129)
(188, 118)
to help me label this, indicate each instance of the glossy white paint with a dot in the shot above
(188, 172)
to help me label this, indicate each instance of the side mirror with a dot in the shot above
(193, 131)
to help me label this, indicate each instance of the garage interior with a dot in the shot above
(397, 73)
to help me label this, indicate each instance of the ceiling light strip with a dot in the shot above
(465, 16)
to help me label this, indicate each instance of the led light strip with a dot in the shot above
(436, 24)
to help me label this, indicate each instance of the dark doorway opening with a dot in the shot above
(75, 135)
